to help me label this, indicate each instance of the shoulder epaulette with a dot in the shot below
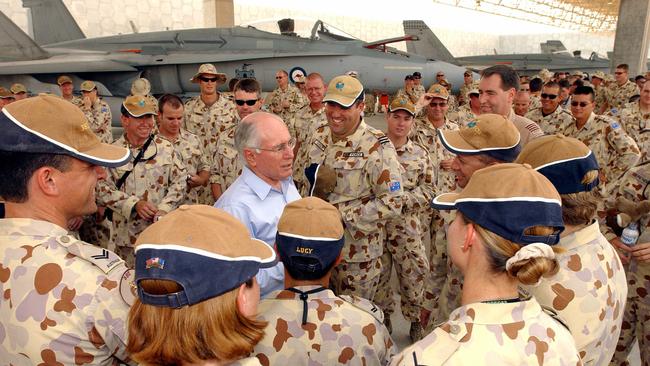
(365, 305)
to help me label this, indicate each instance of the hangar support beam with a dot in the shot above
(631, 42)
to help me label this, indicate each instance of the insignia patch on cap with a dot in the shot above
(155, 263)
(402, 102)
(141, 103)
(394, 186)
(84, 126)
(471, 124)
(340, 85)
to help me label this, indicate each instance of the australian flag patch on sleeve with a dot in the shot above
(394, 186)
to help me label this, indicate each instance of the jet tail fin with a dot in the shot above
(52, 22)
(16, 45)
(429, 45)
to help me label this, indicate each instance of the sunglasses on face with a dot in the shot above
(581, 104)
(438, 104)
(249, 102)
(279, 77)
(208, 80)
(548, 96)
(440, 75)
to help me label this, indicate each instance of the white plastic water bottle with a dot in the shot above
(630, 234)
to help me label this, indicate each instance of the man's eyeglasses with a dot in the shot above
(549, 96)
(581, 104)
(279, 77)
(438, 104)
(249, 102)
(280, 147)
(208, 80)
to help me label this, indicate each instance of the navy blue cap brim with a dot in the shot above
(323, 250)
(566, 175)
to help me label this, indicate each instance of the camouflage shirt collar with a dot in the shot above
(31, 227)
(486, 314)
(581, 237)
(289, 295)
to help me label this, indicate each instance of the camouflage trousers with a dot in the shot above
(371, 102)
(359, 279)
(403, 247)
(443, 285)
(636, 318)
(128, 254)
(97, 233)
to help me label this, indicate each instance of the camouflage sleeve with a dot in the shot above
(419, 197)
(177, 184)
(297, 101)
(627, 151)
(204, 160)
(109, 196)
(385, 178)
(271, 99)
(105, 130)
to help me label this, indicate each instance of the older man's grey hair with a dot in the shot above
(247, 134)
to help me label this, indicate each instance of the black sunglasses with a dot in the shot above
(548, 96)
(211, 80)
(249, 102)
(581, 104)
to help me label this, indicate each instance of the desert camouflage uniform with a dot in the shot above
(371, 104)
(535, 102)
(462, 116)
(368, 192)
(464, 90)
(452, 102)
(637, 126)
(553, 123)
(188, 147)
(160, 178)
(636, 317)
(519, 333)
(207, 122)
(226, 165)
(425, 134)
(304, 121)
(99, 117)
(528, 130)
(599, 97)
(615, 151)
(403, 94)
(403, 242)
(339, 330)
(618, 96)
(75, 100)
(292, 95)
(588, 292)
(63, 302)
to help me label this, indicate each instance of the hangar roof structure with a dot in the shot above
(581, 15)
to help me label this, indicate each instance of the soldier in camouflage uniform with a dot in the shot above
(407, 92)
(209, 114)
(495, 324)
(227, 165)
(97, 112)
(307, 322)
(615, 151)
(599, 89)
(358, 172)
(155, 185)
(67, 89)
(619, 92)
(589, 290)
(550, 117)
(535, 93)
(452, 102)
(403, 242)
(635, 119)
(286, 99)
(187, 146)
(418, 88)
(312, 115)
(636, 316)
(468, 84)
(468, 111)
(65, 301)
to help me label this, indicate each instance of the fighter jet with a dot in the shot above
(170, 58)
(554, 55)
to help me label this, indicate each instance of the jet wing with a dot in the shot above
(15, 45)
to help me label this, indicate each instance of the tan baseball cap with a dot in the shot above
(563, 160)
(402, 104)
(18, 88)
(598, 74)
(343, 90)
(300, 78)
(507, 199)
(208, 69)
(489, 134)
(438, 91)
(88, 85)
(63, 79)
(140, 105)
(204, 249)
(48, 124)
(6, 93)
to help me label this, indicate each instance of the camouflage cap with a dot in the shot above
(563, 160)
(417, 75)
(309, 228)
(598, 74)
(140, 105)
(63, 79)
(88, 85)
(6, 93)
(140, 86)
(523, 198)
(208, 69)
(300, 78)
(488, 134)
(402, 104)
(18, 88)
(438, 91)
(473, 91)
(578, 73)
(343, 90)
(203, 249)
(48, 124)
